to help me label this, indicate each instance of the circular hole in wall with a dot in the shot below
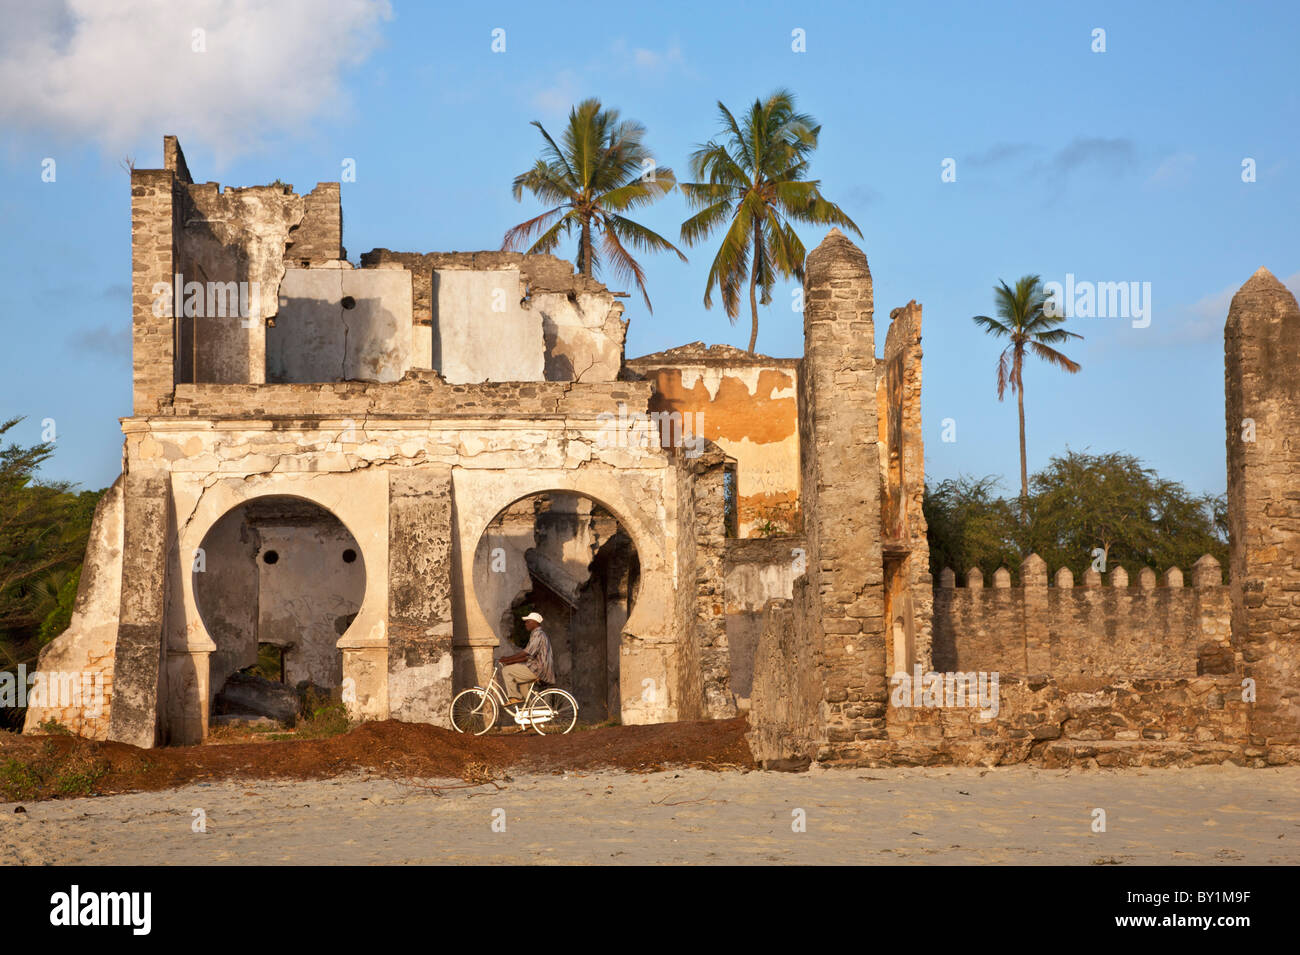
(349, 556)
(349, 301)
(302, 608)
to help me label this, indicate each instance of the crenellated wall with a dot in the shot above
(1089, 634)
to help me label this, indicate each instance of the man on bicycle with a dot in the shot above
(535, 663)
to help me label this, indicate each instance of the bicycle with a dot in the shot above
(549, 711)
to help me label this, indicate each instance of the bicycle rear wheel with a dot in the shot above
(555, 711)
(473, 711)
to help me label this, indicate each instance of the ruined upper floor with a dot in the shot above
(252, 287)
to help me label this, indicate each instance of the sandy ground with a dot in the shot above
(1017, 815)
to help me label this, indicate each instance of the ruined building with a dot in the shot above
(369, 474)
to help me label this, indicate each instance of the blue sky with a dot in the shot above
(1117, 166)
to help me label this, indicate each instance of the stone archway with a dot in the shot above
(644, 503)
(277, 582)
(567, 557)
(360, 502)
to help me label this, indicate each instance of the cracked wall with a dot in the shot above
(492, 316)
(749, 409)
(341, 324)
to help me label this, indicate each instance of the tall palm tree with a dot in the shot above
(755, 180)
(599, 171)
(1030, 327)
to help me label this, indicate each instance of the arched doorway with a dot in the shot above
(566, 556)
(277, 581)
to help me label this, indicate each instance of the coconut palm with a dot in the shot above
(755, 181)
(1031, 328)
(598, 171)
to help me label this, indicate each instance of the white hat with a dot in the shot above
(534, 616)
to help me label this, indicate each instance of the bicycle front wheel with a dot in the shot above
(473, 711)
(554, 712)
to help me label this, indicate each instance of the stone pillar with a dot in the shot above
(137, 658)
(841, 480)
(1262, 371)
(419, 596)
(710, 614)
(152, 265)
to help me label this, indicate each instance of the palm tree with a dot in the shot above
(1029, 326)
(600, 171)
(755, 180)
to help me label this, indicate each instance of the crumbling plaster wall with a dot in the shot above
(909, 589)
(89, 642)
(581, 325)
(341, 324)
(236, 235)
(344, 465)
(756, 571)
(748, 408)
(308, 598)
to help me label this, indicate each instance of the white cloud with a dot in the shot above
(124, 71)
(1173, 171)
(1202, 321)
(560, 96)
(656, 61)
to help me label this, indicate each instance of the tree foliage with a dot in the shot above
(753, 185)
(599, 171)
(969, 525)
(1079, 504)
(1028, 320)
(43, 531)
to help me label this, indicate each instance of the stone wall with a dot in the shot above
(89, 643)
(755, 571)
(906, 550)
(1090, 633)
(787, 728)
(153, 224)
(318, 237)
(418, 394)
(1192, 721)
(1262, 370)
(420, 528)
(711, 635)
